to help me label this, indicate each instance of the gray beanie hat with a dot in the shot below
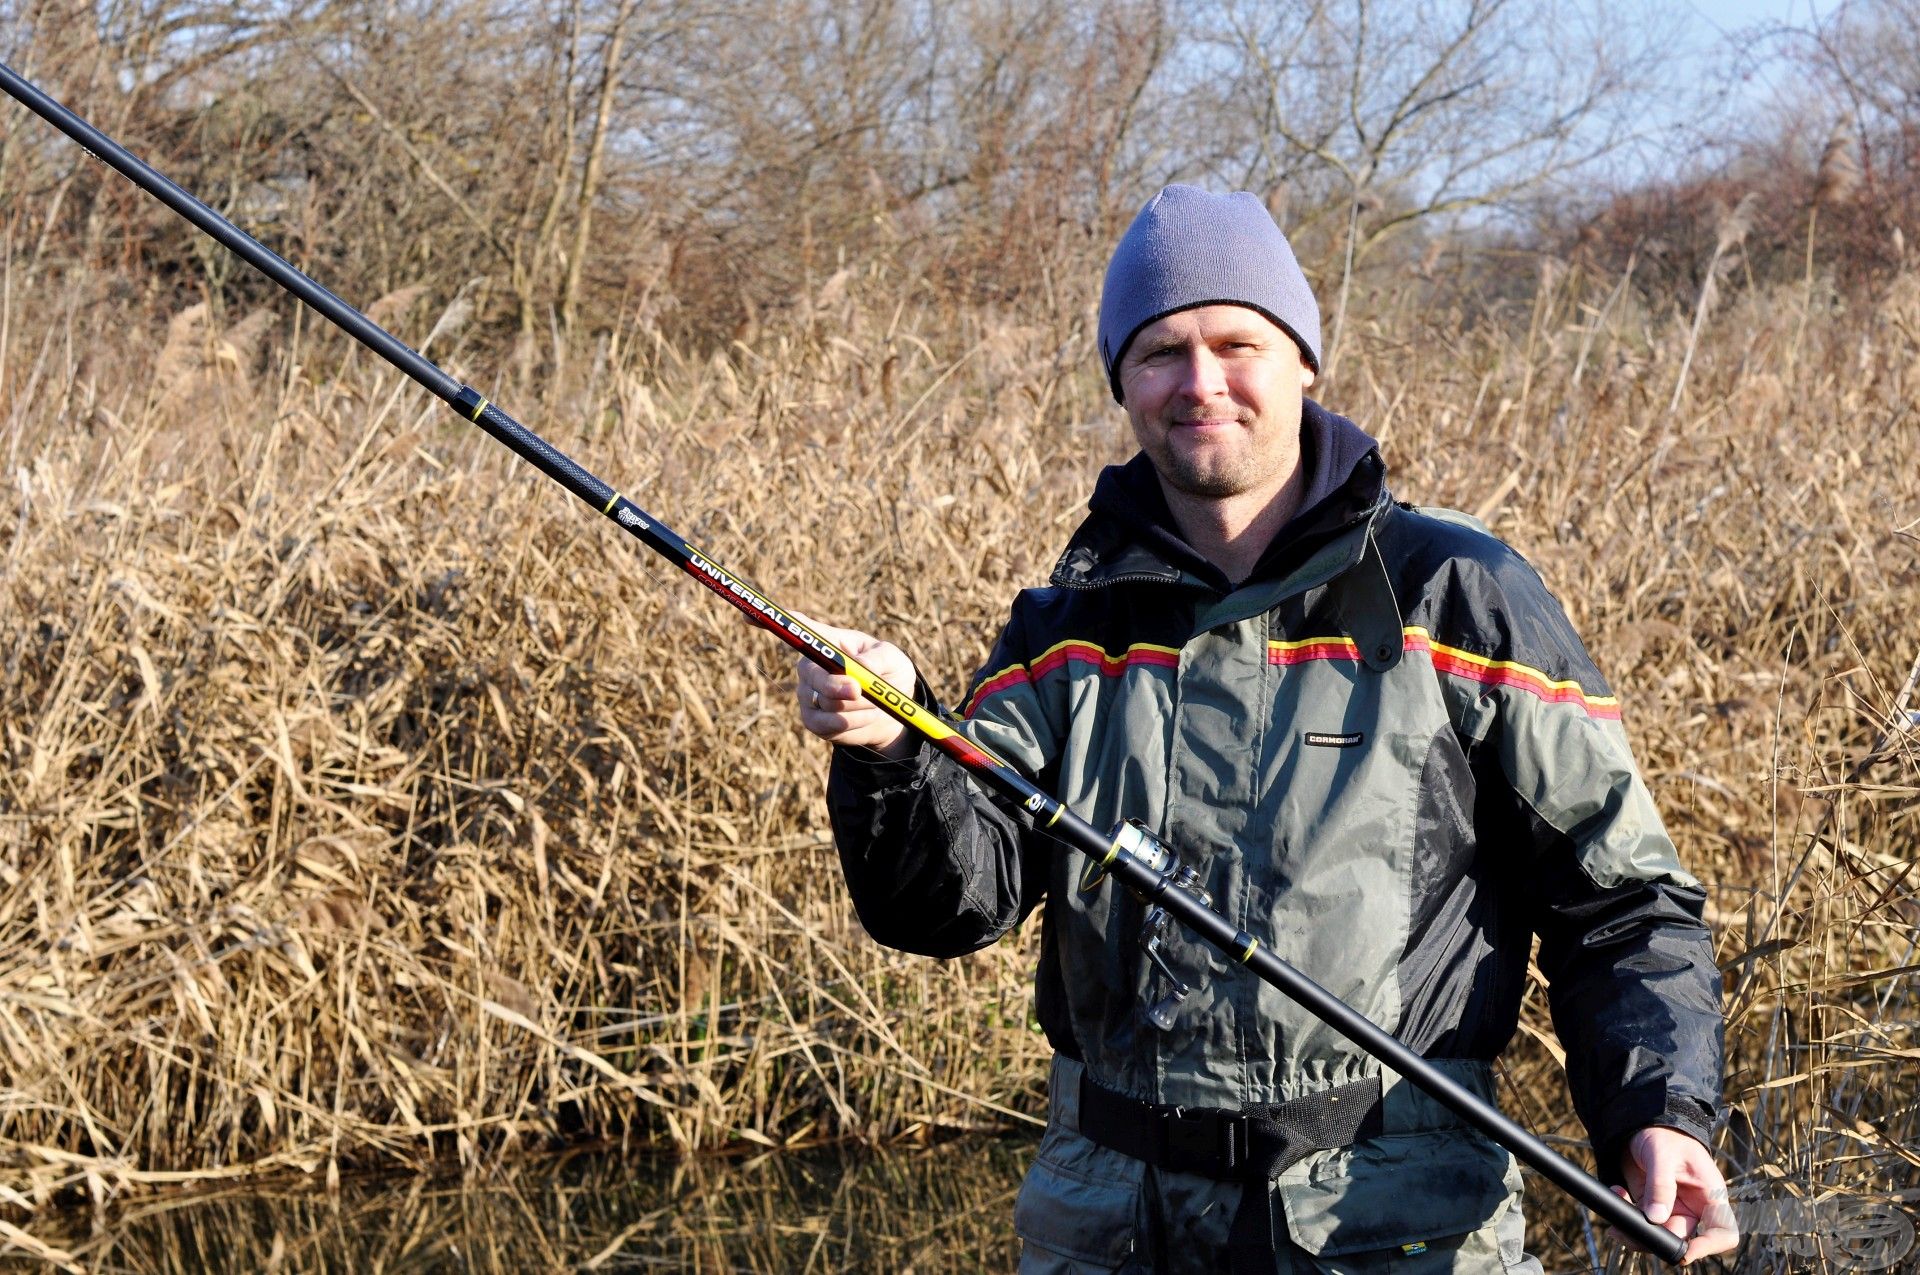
(1190, 248)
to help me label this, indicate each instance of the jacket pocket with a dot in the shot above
(1399, 1189)
(1064, 1214)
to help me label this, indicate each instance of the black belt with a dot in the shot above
(1251, 1146)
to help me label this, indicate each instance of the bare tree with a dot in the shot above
(727, 157)
(1865, 58)
(1388, 115)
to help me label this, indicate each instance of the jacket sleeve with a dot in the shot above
(934, 865)
(1632, 984)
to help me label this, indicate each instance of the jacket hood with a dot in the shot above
(1131, 534)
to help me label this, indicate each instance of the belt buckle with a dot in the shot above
(1193, 1139)
(1233, 1142)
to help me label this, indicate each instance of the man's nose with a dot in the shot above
(1203, 376)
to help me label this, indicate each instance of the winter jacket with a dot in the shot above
(1391, 760)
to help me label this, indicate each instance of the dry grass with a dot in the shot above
(366, 803)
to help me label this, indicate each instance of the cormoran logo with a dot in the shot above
(1318, 739)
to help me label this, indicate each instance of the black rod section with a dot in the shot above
(1048, 812)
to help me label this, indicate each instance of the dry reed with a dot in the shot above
(365, 803)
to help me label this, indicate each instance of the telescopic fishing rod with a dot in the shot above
(1129, 853)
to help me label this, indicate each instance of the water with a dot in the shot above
(944, 1208)
(908, 1212)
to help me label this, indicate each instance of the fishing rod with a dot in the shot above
(1130, 853)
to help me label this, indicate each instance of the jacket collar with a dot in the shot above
(1129, 534)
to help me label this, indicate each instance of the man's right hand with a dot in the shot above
(832, 707)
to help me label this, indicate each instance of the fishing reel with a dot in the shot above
(1136, 841)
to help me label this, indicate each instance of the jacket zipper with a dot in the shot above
(1155, 577)
(1137, 577)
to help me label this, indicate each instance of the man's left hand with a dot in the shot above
(1678, 1187)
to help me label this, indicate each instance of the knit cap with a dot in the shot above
(1189, 247)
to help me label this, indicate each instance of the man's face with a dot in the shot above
(1214, 397)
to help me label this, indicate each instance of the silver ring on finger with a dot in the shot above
(816, 699)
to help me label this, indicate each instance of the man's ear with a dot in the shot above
(1307, 376)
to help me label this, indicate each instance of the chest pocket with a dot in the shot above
(1338, 804)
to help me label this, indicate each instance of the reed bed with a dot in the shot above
(366, 804)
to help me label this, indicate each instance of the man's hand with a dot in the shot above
(1678, 1187)
(833, 708)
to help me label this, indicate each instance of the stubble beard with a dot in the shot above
(1211, 476)
(1208, 482)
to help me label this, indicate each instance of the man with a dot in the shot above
(1373, 733)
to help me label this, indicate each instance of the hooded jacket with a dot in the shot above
(1390, 759)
